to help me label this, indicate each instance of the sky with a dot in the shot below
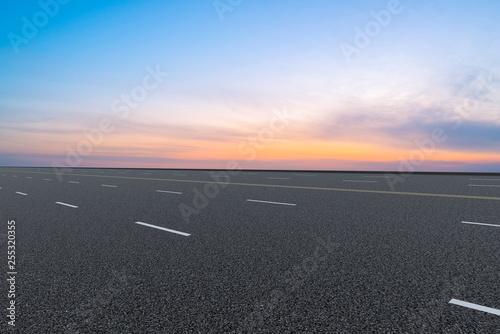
(322, 85)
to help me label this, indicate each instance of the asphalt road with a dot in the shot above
(258, 252)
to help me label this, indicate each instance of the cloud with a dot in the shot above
(462, 134)
(178, 131)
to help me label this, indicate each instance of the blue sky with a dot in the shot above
(226, 77)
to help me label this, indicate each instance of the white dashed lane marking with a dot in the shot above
(170, 192)
(485, 185)
(472, 223)
(66, 204)
(254, 200)
(363, 181)
(475, 306)
(164, 229)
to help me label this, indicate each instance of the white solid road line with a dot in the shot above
(471, 223)
(377, 176)
(164, 229)
(254, 200)
(170, 192)
(305, 175)
(484, 179)
(475, 306)
(73, 182)
(279, 178)
(66, 204)
(483, 185)
(364, 181)
(179, 174)
(108, 185)
(17, 192)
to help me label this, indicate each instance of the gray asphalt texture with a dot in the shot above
(336, 262)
